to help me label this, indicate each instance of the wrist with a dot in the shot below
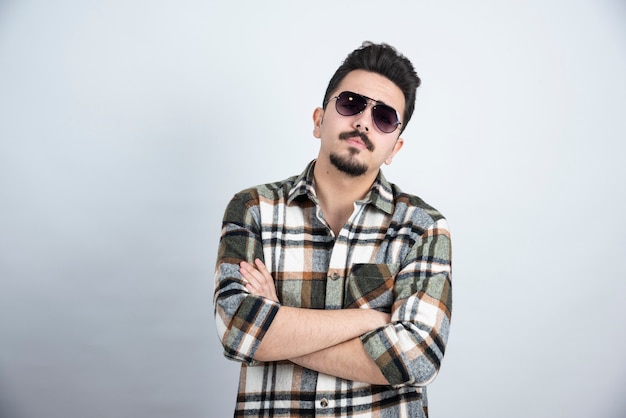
(377, 319)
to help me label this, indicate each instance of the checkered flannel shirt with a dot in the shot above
(392, 255)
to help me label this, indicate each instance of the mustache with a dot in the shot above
(368, 144)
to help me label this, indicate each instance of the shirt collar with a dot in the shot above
(380, 195)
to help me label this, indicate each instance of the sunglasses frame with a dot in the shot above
(367, 100)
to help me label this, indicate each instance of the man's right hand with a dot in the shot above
(259, 280)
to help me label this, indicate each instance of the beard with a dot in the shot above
(348, 165)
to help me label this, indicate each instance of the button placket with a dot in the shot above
(334, 290)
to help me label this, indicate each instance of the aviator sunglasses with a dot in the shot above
(385, 117)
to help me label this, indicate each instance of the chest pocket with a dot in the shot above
(370, 286)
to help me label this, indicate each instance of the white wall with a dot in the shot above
(125, 126)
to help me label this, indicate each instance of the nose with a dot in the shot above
(363, 120)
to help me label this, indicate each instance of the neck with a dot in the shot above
(336, 190)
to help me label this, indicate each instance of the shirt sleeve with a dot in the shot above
(242, 319)
(410, 349)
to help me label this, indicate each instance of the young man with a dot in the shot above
(333, 287)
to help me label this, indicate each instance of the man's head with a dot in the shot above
(381, 59)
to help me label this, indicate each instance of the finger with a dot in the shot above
(250, 278)
(259, 264)
(244, 265)
(251, 271)
(261, 268)
(257, 288)
(249, 274)
(257, 272)
(255, 281)
(243, 270)
(258, 279)
(269, 287)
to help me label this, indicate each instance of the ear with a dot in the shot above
(318, 118)
(397, 147)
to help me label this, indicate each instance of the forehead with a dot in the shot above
(375, 86)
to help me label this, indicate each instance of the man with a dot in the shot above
(333, 287)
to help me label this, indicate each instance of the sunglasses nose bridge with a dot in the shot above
(371, 104)
(364, 119)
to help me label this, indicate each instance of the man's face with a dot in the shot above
(354, 144)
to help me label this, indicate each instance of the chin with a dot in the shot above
(348, 165)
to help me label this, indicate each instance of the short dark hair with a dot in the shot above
(385, 60)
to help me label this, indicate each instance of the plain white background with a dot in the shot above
(126, 126)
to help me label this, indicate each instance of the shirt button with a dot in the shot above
(324, 402)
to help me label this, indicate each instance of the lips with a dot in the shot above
(357, 139)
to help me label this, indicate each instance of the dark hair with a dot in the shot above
(385, 60)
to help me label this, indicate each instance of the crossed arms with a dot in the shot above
(336, 349)
(404, 348)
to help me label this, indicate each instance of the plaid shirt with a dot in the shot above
(392, 255)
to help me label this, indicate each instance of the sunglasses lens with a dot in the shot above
(349, 104)
(385, 118)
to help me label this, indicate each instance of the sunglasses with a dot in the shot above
(385, 117)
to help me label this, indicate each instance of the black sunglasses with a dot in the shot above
(385, 117)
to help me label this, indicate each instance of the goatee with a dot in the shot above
(348, 165)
